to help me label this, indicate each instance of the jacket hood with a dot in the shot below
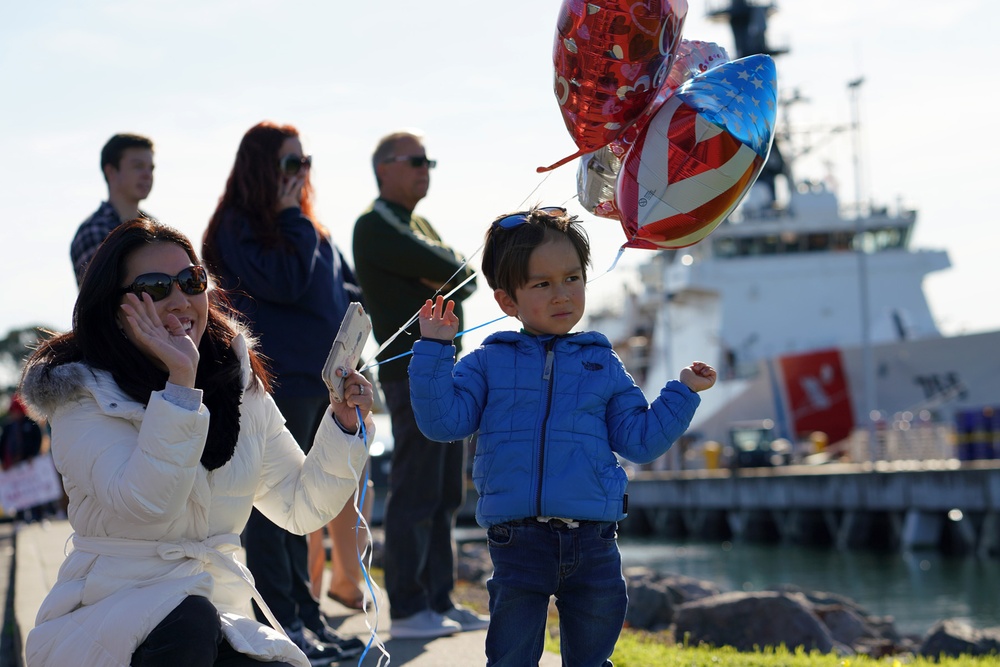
(579, 338)
(44, 388)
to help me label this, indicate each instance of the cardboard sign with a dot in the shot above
(29, 483)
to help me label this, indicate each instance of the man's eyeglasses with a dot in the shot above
(292, 164)
(192, 281)
(416, 161)
(517, 219)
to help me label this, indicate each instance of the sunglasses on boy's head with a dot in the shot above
(192, 281)
(292, 164)
(416, 161)
(517, 219)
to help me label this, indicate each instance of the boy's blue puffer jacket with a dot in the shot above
(551, 412)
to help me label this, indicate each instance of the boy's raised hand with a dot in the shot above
(438, 320)
(699, 376)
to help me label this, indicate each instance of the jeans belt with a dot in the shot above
(558, 520)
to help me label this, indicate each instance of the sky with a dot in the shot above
(476, 79)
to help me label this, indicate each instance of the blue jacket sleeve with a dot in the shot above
(641, 433)
(350, 282)
(279, 274)
(447, 400)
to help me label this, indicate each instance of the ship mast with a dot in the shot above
(748, 21)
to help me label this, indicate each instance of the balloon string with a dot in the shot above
(462, 284)
(373, 364)
(373, 588)
(415, 315)
(621, 251)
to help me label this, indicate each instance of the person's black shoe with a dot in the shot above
(349, 647)
(318, 653)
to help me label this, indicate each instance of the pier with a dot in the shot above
(947, 505)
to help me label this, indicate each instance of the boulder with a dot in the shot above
(747, 621)
(953, 638)
(652, 596)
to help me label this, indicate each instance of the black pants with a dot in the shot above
(191, 635)
(426, 488)
(278, 559)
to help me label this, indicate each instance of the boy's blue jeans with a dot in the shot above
(533, 561)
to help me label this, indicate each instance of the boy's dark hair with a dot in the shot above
(512, 237)
(116, 146)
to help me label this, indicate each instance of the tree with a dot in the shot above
(15, 348)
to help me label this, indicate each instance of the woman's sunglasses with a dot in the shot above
(292, 164)
(517, 219)
(192, 281)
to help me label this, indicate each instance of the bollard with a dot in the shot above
(713, 452)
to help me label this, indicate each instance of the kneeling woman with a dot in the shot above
(165, 434)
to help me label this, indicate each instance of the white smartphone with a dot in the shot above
(346, 349)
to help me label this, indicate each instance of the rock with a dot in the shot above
(473, 562)
(953, 638)
(845, 625)
(848, 622)
(652, 596)
(749, 620)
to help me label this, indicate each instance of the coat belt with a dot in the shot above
(216, 550)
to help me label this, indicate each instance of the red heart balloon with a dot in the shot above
(610, 58)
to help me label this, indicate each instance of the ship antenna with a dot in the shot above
(869, 400)
(855, 89)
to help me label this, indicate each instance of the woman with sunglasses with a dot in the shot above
(166, 435)
(289, 280)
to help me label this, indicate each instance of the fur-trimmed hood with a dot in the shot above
(44, 388)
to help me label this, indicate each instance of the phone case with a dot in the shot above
(346, 349)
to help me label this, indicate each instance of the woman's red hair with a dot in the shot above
(252, 187)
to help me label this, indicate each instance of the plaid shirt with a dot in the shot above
(91, 234)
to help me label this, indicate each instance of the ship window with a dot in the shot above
(888, 238)
(725, 247)
(842, 240)
(816, 242)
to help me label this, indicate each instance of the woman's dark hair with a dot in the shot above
(252, 190)
(97, 340)
(508, 248)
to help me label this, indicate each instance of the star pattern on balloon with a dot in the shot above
(742, 97)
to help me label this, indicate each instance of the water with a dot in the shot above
(917, 590)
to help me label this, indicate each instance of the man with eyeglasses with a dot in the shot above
(127, 163)
(400, 262)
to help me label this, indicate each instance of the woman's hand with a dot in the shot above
(699, 376)
(438, 320)
(167, 344)
(357, 395)
(290, 192)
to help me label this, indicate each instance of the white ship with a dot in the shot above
(815, 319)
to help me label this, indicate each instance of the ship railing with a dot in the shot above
(902, 439)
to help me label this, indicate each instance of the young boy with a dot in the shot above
(552, 408)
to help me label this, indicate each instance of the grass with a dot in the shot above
(639, 648)
(635, 649)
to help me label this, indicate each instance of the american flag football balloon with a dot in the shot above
(610, 58)
(698, 155)
(597, 172)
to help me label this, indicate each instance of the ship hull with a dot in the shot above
(824, 390)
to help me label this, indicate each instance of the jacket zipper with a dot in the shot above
(550, 358)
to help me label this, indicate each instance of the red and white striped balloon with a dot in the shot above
(698, 155)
